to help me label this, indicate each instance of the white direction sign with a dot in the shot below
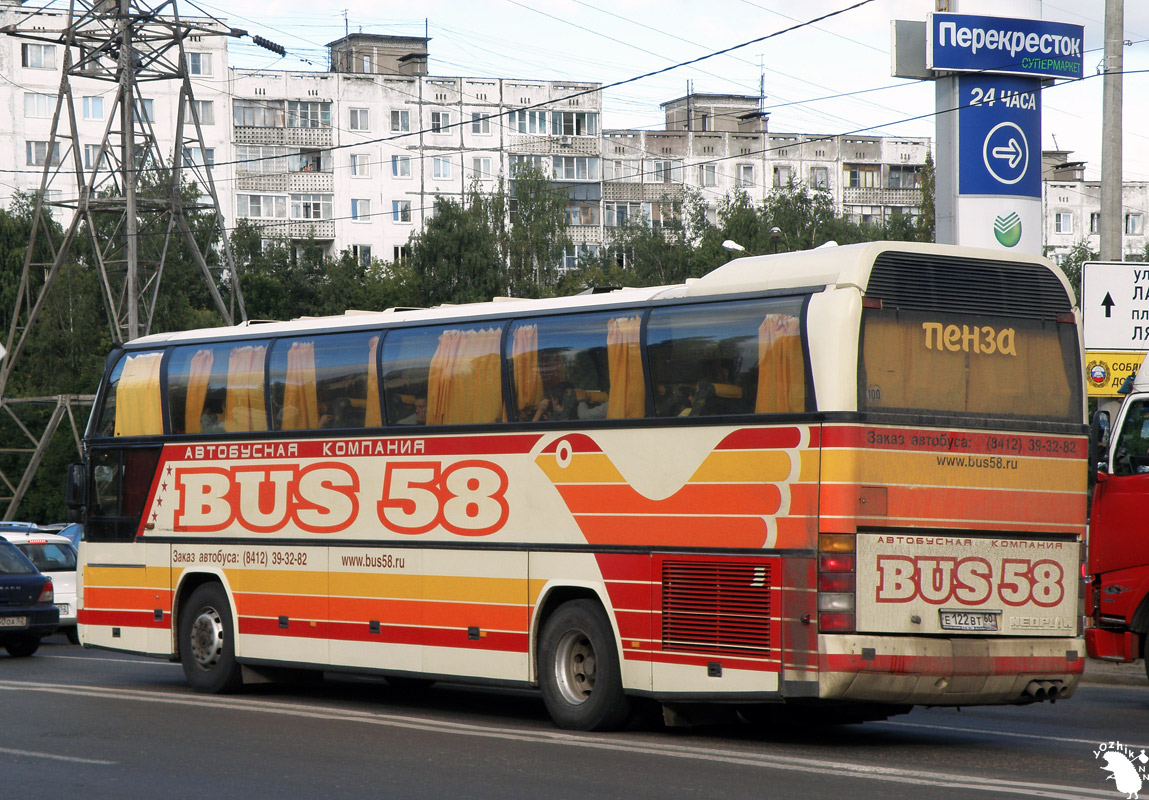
(1115, 305)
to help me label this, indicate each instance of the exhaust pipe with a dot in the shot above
(1045, 690)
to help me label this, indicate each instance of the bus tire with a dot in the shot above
(207, 642)
(579, 670)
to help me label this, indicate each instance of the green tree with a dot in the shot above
(527, 218)
(455, 258)
(927, 219)
(1072, 262)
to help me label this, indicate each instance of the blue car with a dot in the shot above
(27, 611)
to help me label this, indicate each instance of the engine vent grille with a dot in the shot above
(717, 607)
(923, 282)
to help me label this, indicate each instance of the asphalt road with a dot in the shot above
(91, 724)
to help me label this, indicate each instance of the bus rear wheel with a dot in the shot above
(579, 670)
(207, 642)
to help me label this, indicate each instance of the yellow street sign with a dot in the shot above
(1105, 371)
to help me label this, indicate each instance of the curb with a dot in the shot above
(1111, 673)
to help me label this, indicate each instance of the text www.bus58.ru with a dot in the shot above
(978, 462)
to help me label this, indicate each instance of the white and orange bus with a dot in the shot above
(852, 476)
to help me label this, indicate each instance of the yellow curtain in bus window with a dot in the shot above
(300, 404)
(374, 416)
(525, 360)
(464, 384)
(138, 409)
(244, 407)
(199, 378)
(781, 367)
(624, 365)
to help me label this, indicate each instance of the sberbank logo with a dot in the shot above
(1007, 229)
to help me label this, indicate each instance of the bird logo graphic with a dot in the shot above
(750, 491)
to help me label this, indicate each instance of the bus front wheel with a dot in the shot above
(579, 669)
(207, 642)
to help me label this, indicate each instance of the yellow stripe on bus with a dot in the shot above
(924, 469)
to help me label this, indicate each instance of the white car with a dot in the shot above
(54, 556)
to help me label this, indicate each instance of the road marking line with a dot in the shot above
(1011, 734)
(672, 750)
(55, 756)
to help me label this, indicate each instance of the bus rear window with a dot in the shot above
(927, 363)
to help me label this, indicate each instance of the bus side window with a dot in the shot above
(325, 382)
(217, 388)
(448, 375)
(742, 357)
(577, 367)
(132, 405)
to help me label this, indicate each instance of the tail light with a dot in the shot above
(47, 595)
(837, 580)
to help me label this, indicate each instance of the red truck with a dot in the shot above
(1118, 539)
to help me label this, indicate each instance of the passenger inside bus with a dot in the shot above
(564, 401)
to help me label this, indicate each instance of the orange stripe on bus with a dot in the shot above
(432, 614)
(956, 503)
(100, 597)
(671, 531)
(759, 499)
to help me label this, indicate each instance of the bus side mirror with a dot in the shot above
(76, 491)
(1098, 444)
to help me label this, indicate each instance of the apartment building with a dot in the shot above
(1072, 208)
(355, 157)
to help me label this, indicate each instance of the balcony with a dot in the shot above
(298, 137)
(320, 229)
(876, 196)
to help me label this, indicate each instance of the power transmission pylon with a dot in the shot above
(131, 192)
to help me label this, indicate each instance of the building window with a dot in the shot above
(38, 56)
(205, 110)
(516, 163)
(360, 165)
(91, 154)
(42, 105)
(1095, 222)
(199, 64)
(783, 175)
(582, 214)
(480, 123)
(617, 214)
(253, 159)
(820, 177)
(1063, 222)
(617, 169)
(905, 177)
(198, 157)
(481, 168)
(261, 206)
(440, 121)
(574, 123)
(401, 166)
(362, 253)
(441, 167)
(745, 175)
(1134, 225)
(360, 210)
(665, 171)
(580, 252)
(304, 114)
(401, 210)
(862, 176)
(37, 153)
(574, 168)
(708, 174)
(148, 107)
(400, 252)
(311, 206)
(360, 119)
(523, 121)
(257, 113)
(400, 120)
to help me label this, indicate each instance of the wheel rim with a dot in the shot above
(575, 667)
(207, 638)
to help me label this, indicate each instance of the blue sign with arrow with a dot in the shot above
(999, 135)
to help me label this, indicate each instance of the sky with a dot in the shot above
(806, 71)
